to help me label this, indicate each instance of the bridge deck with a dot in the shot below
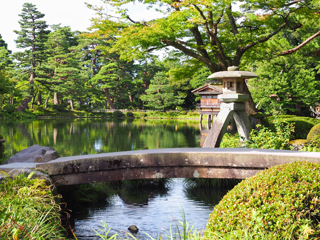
(169, 163)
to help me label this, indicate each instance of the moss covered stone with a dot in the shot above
(282, 200)
(314, 135)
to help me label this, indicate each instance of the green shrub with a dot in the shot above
(310, 148)
(314, 135)
(139, 114)
(302, 125)
(193, 114)
(130, 115)
(283, 200)
(83, 107)
(8, 108)
(183, 113)
(262, 138)
(230, 141)
(117, 114)
(59, 108)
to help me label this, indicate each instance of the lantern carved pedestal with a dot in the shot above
(232, 105)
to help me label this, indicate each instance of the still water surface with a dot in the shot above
(157, 210)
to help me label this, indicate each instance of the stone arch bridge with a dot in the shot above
(168, 163)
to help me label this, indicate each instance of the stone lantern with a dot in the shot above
(232, 98)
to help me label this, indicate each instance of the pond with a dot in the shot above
(152, 211)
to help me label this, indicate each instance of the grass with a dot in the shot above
(181, 230)
(28, 210)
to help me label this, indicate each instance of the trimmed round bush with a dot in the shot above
(283, 201)
(117, 114)
(59, 108)
(130, 115)
(314, 135)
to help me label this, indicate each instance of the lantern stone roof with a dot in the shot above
(208, 89)
(233, 73)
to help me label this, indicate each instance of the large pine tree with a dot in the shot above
(31, 37)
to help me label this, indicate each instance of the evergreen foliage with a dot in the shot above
(32, 38)
(63, 67)
(160, 94)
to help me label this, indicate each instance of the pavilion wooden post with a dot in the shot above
(232, 98)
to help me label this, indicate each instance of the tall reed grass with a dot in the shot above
(28, 210)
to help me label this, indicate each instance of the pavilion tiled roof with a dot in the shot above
(208, 89)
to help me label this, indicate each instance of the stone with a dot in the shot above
(34, 154)
(27, 171)
(133, 229)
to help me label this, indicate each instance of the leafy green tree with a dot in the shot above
(217, 33)
(31, 37)
(214, 32)
(286, 82)
(160, 94)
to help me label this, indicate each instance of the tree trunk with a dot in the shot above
(71, 104)
(107, 94)
(130, 97)
(39, 100)
(55, 98)
(47, 100)
(25, 101)
(24, 104)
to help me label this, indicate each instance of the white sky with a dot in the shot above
(73, 13)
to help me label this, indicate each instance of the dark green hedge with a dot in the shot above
(130, 115)
(283, 200)
(118, 114)
(302, 124)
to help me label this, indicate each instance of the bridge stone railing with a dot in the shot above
(168, 163)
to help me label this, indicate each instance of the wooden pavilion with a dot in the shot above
(209, 104)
